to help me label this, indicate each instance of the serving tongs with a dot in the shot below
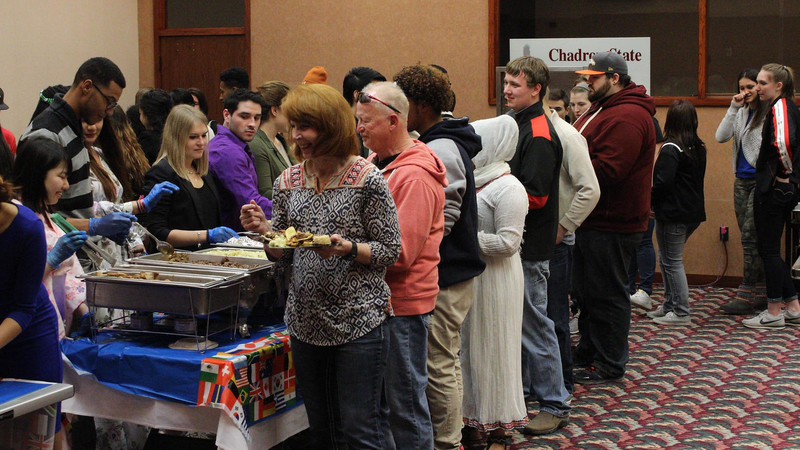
(67, 227)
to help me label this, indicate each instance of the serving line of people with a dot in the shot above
(444, 249)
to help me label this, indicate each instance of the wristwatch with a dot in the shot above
(353, 252)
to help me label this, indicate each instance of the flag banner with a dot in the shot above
(252, 382)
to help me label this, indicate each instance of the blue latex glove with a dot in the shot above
(158, 191)
(220, 234)
(114, 226)
(65, 247)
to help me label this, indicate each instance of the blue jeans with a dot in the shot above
(342, 387)
(600, 283)
(672, 237)
(558, 287)
(406, 380)
(643, 263)
(541, 361)
(770, 215)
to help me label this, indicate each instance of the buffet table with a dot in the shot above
(249, 385)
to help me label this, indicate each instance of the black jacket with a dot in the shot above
(459, 250)
(785, 115)
(179, 210)
(537, 164)
(677, 194)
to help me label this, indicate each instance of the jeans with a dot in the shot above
(743, 194)
(672, 237)
(558, 287)
(342, 387)
(406, 380)
(600, 283)
(542, 377)
(771, 214)
(643, 263)
(445, 389)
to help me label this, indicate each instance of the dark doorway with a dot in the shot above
(196, 40)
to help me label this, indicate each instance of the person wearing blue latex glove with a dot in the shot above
(158, 191)
(220, 234)
(65, 247)
(114, 226)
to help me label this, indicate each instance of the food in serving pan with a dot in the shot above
(233, 253)
(225, 262)
(244, 241)
(291, 238)
(152, 276)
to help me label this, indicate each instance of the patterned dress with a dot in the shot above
(335, 301)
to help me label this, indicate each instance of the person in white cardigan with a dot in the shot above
(742, 123)
(491, 345)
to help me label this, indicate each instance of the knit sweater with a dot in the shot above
(578, 189)
(745, 138)
(60, 124)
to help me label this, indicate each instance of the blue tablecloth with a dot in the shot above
(143, 365)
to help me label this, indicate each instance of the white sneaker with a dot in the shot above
(573, 325)
(765, 320)
(658, 312)
(642, 299)
(673, 319)
(790, 318)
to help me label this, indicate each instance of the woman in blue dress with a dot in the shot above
(28, 322)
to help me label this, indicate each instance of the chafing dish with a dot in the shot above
(172, 291)
(259, 274)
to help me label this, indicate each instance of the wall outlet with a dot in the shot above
(723, 233)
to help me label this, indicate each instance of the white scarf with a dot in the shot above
(499, 140)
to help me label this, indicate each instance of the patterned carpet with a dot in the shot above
(714, 384)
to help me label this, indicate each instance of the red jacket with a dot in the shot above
(417, 179)
(622, 140)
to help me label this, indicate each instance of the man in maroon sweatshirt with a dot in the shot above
(621, 136)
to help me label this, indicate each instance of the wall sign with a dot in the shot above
(570, 54)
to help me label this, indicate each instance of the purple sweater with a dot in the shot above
(234, 169)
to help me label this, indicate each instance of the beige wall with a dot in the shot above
(45, 41)
(290, 37)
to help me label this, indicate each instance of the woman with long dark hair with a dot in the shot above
(777, 179)
(40, 176)
(133, 156)
(743, 123)
(28, 322)
(679, 206)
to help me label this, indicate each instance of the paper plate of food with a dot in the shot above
(291, 239)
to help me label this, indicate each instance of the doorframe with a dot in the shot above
(160, 30)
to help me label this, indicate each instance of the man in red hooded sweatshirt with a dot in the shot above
(621, 136)
(417, 178)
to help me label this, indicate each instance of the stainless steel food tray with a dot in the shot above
(259, 274)
(196, 259)
(184, 293)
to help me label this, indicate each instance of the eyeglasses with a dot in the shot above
(111, 103)
(365, 98)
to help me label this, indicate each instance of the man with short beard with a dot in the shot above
(230, 160)
(621, 135)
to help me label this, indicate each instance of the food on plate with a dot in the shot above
(291, 238)
(322, 239)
